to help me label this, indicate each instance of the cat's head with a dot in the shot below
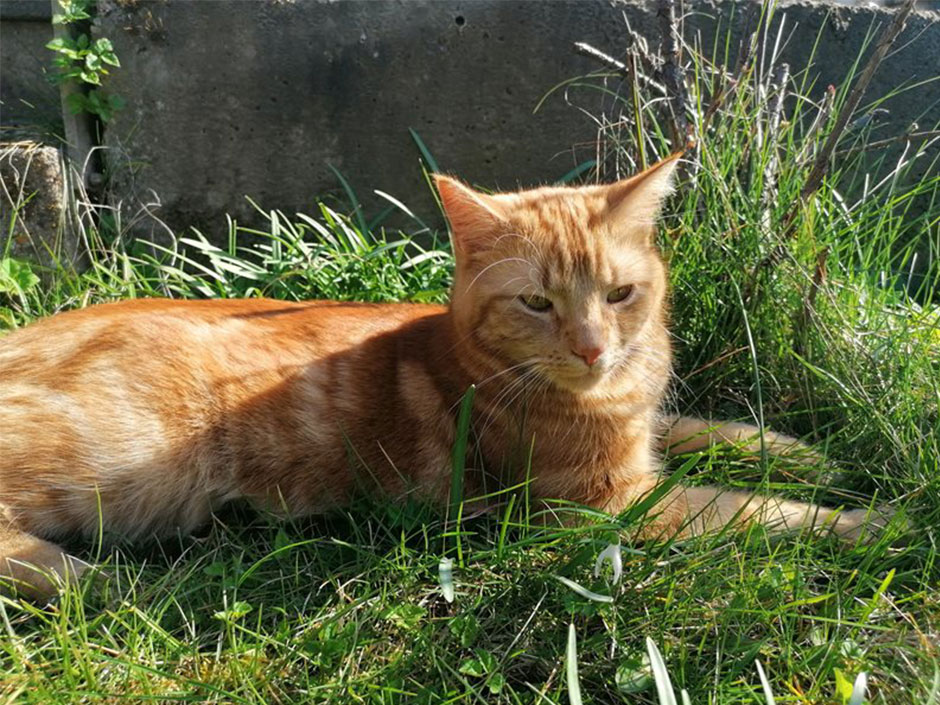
(563, 279)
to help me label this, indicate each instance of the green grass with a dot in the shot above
(350, 608)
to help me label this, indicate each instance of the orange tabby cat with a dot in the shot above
(145, 415)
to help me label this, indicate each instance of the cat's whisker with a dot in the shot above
(490, 266)
(536, 250)
(509, 369)
(507, 396)
(506, 391)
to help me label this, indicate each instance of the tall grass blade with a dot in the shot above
(571, 667)
(445, 574)
(859, 689)
(576, 172)
(425, 152)
(459, 454)
(667, 696)
(355, 204)
(614, 555)
(583, 591)
(765, 684)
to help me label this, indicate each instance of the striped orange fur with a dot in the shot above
(145, 415)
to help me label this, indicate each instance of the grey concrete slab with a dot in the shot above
(258, 97)
(29, 101)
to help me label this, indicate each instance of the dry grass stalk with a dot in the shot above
(820, 166)
(672, 73)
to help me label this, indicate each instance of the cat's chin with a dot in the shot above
(579, 382)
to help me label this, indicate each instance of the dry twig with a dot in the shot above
(820, 166)
(908, 137)
(621, 68)
(810, 142)
(586, 49)
(673, 76)
(769, 186)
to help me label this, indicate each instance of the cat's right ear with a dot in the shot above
(474, 217)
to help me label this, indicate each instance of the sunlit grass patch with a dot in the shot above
(815, 324)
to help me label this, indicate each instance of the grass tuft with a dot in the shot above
(817, 316)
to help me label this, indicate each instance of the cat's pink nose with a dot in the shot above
(589, 355)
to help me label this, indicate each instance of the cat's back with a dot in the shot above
(229, 331)
(148, 410)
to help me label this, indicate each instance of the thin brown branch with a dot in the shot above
(769, 186)
(908, 137)
(610, 62)
(621, 68)
(809, 303)
(747, 44)
(810, 141)
(717, 360)
(673, 76)
(819, 277)
(821, 164)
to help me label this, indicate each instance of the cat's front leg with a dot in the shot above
(693, 511)
(713, 508)
(31, 567)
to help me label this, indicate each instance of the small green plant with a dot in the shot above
(16, 276)
(85, 61)
(17, 280)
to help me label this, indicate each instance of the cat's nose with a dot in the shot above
(588, 354)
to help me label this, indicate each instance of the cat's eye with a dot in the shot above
(536, 302)
(621, 293)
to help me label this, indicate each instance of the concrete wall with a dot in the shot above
(227, 99)
(29, 101)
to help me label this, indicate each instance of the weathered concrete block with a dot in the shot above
(29, 101)
(33, 197)
(259, 98)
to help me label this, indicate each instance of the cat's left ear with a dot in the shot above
(636, 202)
(475, 218)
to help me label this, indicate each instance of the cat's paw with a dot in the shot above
(39, 580)
(869, 524)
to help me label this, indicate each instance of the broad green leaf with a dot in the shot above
(16, 276)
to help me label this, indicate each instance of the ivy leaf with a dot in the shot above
(76, 103)
(482, 664)
(103, 45)
(106, 108)
(281, 539)
(472, 667)
(16, 276)
(486, 659)
(215, 569)
(60, 43)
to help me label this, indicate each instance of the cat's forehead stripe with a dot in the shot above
(570, 235)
